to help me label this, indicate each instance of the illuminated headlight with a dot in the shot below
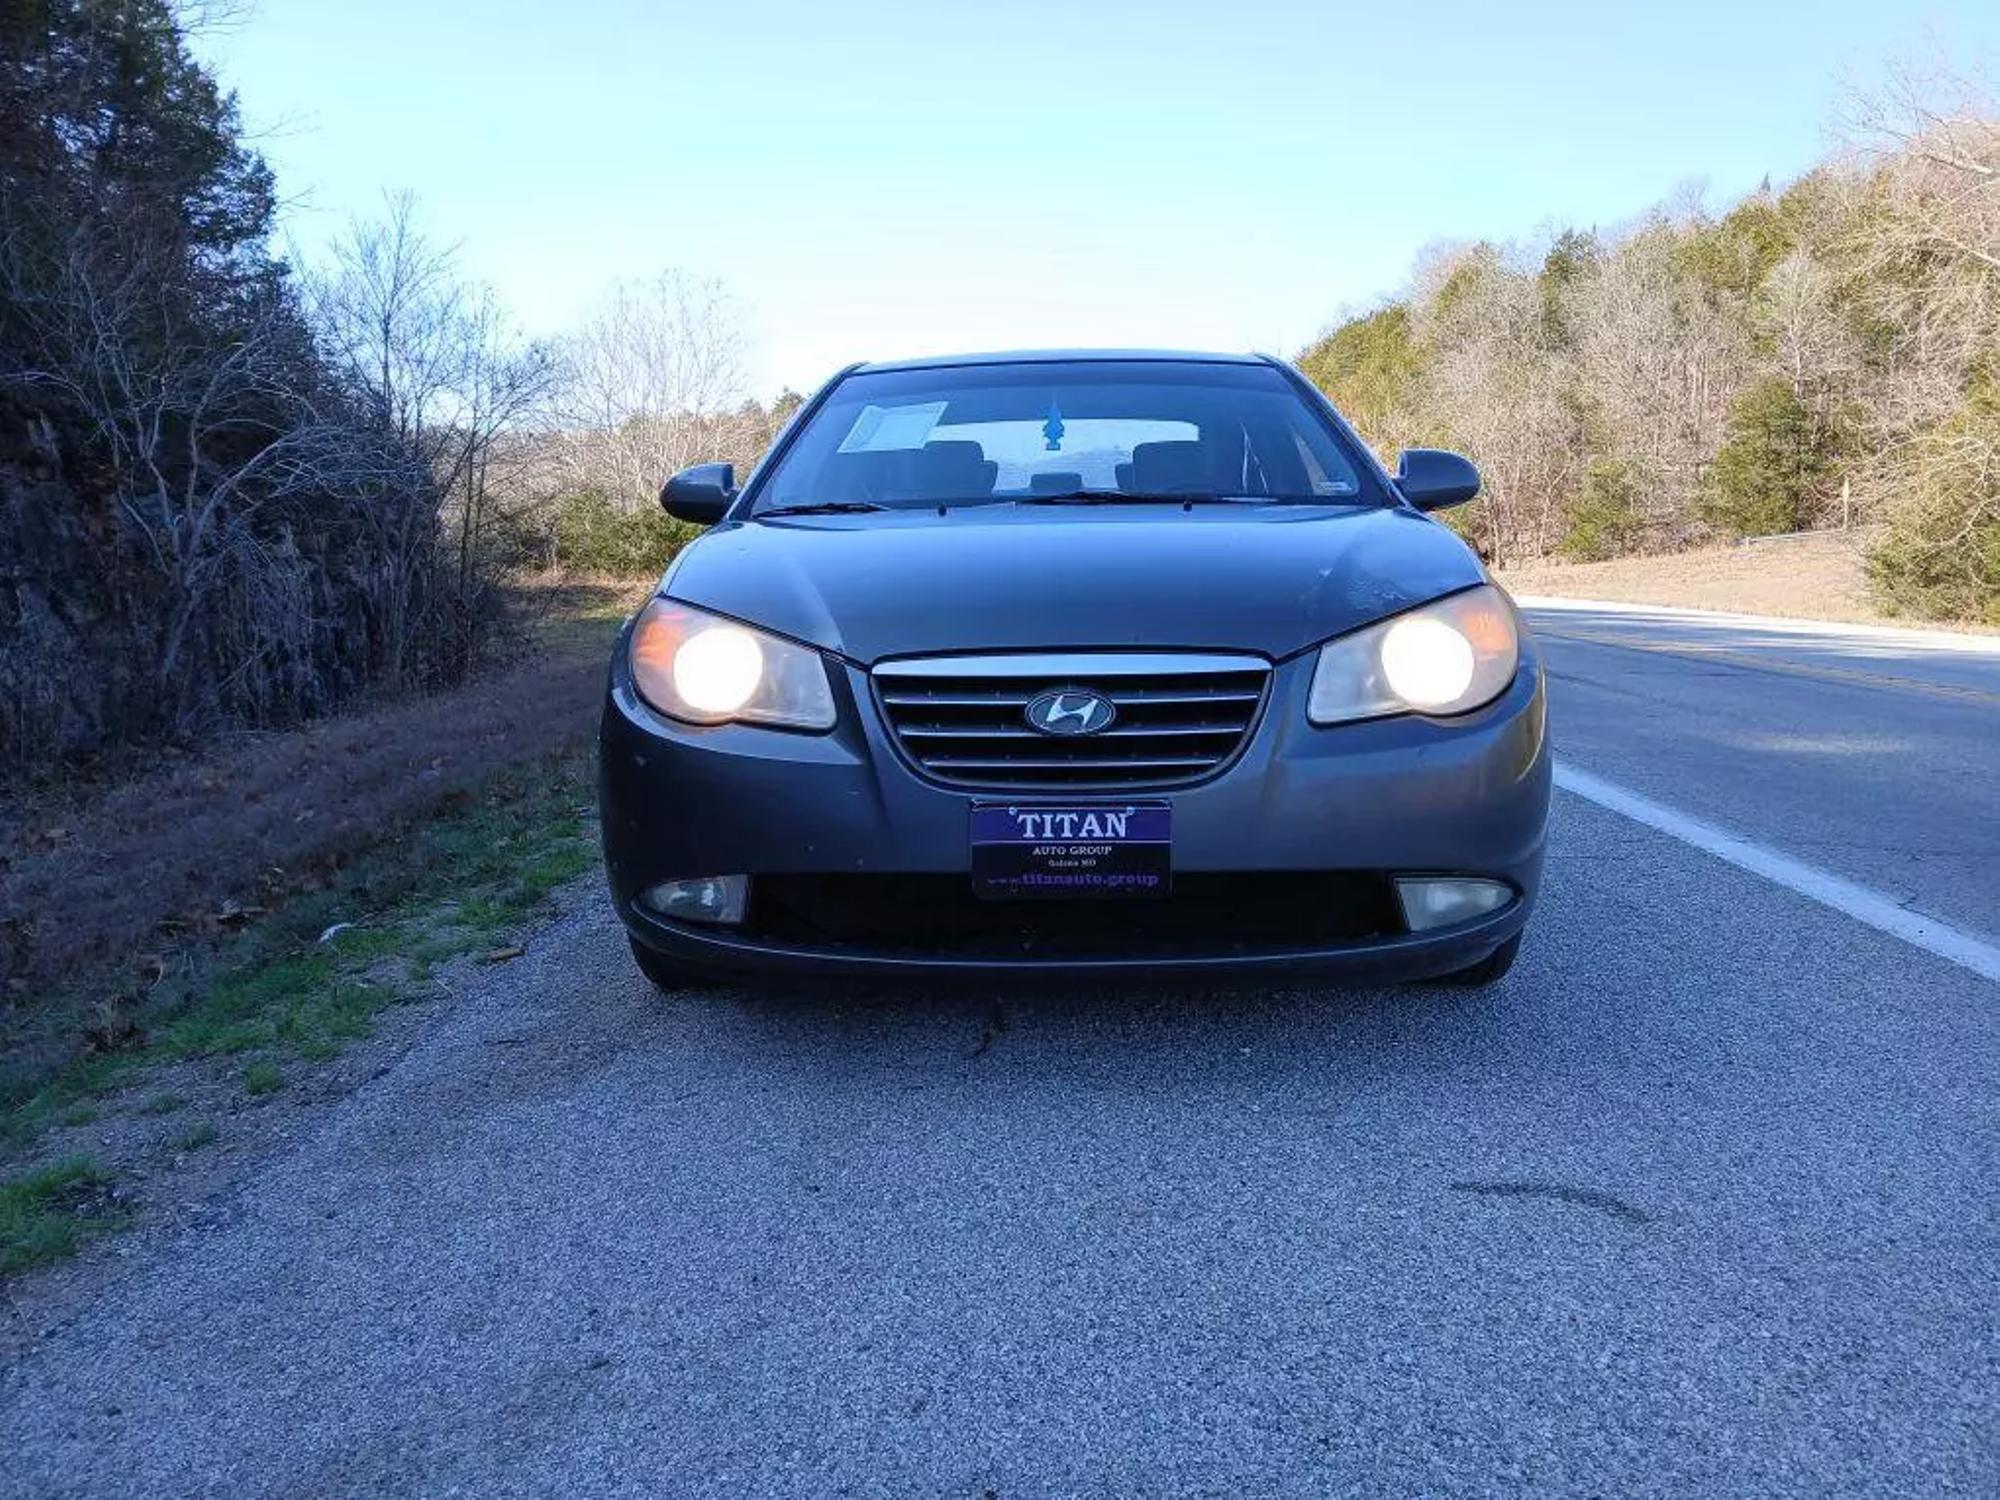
(703, 669)
(1445, 658)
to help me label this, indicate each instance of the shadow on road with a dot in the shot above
(1146, 1035)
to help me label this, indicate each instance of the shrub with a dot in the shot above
(1776, 460)
(1604, 519)
(1939, 554)
(594, 536)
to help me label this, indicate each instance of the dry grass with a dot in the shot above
(257, 1029)
(1819, 576)
(99, 886)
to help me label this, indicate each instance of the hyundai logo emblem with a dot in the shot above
(1070, 711)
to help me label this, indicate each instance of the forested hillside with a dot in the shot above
(1823, 352)
(235, 492)
(213, 507)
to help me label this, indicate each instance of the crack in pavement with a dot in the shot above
(1606, 1203)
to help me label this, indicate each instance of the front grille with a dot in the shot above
(963, 719)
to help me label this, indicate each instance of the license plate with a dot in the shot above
(1066, 850)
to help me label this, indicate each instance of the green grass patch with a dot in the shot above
(582, 617)
(364, 944)
(463, 882)
(48, 1214)
(201, 1133)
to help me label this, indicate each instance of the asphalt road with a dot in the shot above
(1874, 754)
(1701, 1199)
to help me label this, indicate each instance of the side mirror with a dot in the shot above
(700, 494)
(1432, 479)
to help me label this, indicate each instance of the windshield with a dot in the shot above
(1098, 431)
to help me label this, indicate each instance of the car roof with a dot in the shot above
(1060, 356)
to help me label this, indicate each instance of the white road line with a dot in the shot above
(1856, 901)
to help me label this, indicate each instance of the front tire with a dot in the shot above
(1489, 968)
(668, 976)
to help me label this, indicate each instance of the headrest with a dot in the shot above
(866, 475)
(955, 452)
(955, 470)
(1171, 468)
(1055, 482)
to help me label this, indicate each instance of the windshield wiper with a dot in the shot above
(1123, 497)
(823, 508)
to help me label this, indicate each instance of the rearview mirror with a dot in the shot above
(700, 494)
(1432, 479)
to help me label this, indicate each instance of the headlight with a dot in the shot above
(1445, 658)
(704, 669)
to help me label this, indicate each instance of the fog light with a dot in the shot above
(707, 898)
(1440, 903)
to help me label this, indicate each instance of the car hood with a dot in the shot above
(1273, 579)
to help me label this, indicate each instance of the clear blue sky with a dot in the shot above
(881, 179)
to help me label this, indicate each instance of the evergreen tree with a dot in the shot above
(1774, 466)
(1605, 519)
(1368, 366)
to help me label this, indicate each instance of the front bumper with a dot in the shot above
(1353, 803)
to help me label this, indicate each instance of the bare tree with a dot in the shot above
(651, 382)
(503, 385)
(1923, 245)
(390, 310)
(1496, 383)
(1661, 362)
(1796, 311)
(203, 433)
(1922, 252)
(439, 363)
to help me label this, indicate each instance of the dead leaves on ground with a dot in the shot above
(110, 1026)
